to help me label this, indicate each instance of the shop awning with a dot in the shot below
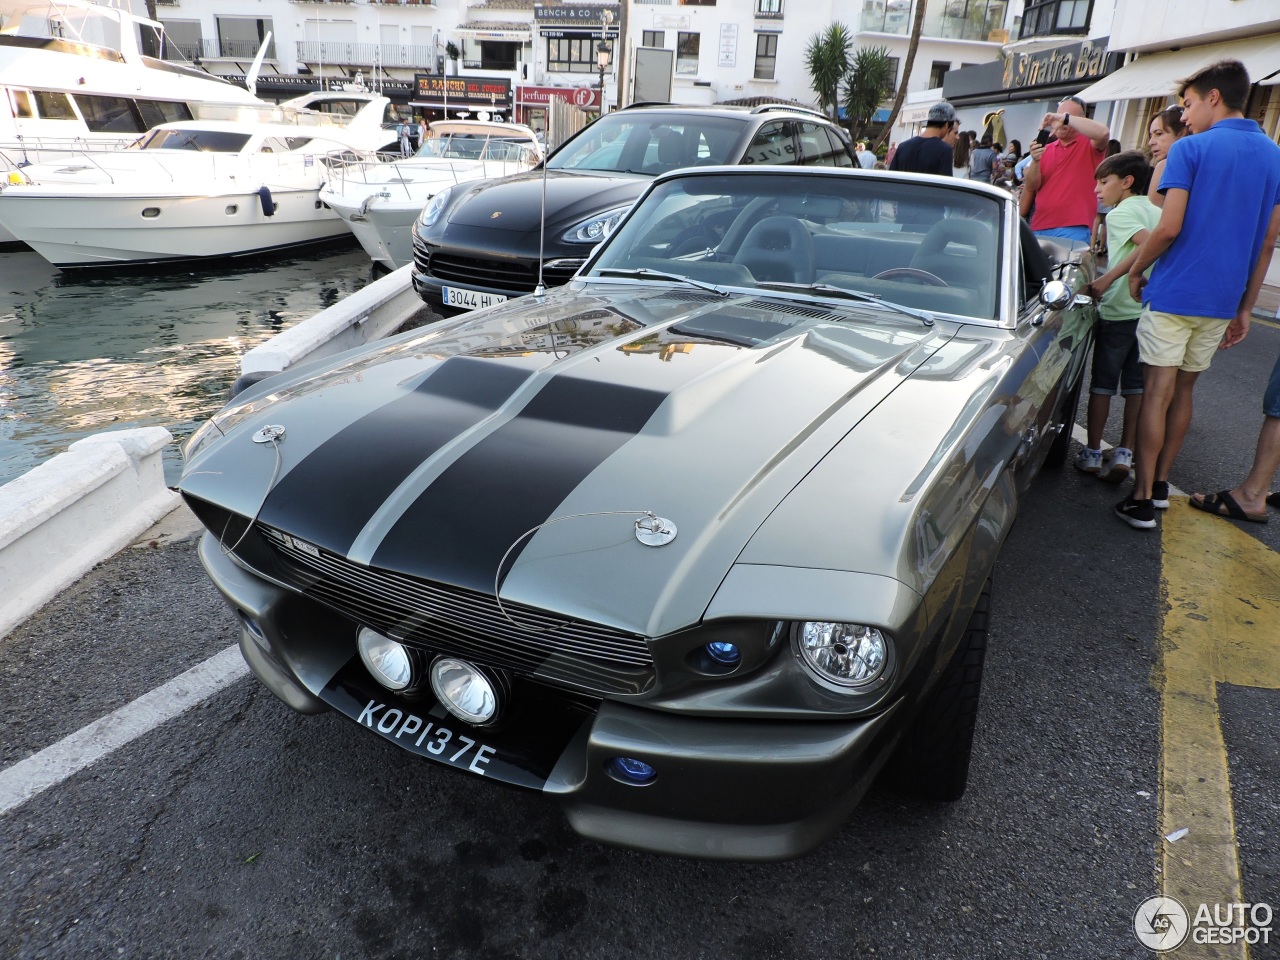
(1157, 74)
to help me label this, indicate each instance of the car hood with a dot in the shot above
(516, 203)
(520, 445)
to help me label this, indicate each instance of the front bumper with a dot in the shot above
(733, 789)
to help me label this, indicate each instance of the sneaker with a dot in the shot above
(1090, 461)
(1121, 464)
(1139, 514)
(1160, 494)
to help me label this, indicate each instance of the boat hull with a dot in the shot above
(81, 229)
(383, 227)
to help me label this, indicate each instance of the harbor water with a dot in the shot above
(84, 353)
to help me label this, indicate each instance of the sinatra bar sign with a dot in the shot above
(491, 92)
(1078, 62)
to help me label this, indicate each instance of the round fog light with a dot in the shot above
(725, 653)
(631, 771)
(464, 690)
(388, 661)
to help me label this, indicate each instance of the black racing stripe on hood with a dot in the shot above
(459, 529)
(329, 497)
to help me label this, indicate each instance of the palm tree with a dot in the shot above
(917, 27)
(867, 83)
(827, 60)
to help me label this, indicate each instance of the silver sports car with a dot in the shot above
(699, 543)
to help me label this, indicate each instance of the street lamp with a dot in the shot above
(603, 53)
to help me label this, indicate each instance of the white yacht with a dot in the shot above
(185, 191)
(380, 201)
(74, 72)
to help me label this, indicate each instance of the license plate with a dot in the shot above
(470, 299)
(521, 754)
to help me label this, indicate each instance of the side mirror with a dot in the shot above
(1056, 295)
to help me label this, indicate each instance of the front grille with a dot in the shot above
(446, 619)
(521, 275)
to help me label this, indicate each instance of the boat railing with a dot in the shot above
(270, 169)
(404, 175)
(26, 150)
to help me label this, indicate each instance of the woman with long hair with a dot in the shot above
(960, 155)
(1166, 128)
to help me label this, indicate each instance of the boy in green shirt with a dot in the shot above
(1120, 183)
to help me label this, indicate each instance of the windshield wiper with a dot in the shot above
(646, 274)
(923, 315)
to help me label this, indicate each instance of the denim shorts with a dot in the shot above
(1115, 359)
(1271, 399)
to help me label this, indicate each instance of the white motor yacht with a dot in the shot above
(185, 191)
(380, 201)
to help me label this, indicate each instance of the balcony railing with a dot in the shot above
(216, 50)
(879, 18)
(420, 57)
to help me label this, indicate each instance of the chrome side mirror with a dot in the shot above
(1056, 295)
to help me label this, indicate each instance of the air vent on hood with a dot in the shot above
(781, 306)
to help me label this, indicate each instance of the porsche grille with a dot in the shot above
(447, 619)
(511, 274)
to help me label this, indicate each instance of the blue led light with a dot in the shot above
(724, 653)
(632, 771)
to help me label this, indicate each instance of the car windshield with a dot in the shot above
(930, 248)
(649, 143)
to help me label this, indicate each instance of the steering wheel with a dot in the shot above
(911, 273)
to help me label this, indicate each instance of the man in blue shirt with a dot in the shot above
(1211, 250)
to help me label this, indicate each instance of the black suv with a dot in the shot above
(481, 242)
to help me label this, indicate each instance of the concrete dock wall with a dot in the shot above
(75, 510)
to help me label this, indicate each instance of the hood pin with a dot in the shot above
(655, 531)
(269, 434)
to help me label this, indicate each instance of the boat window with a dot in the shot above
(21, 102)
(53, 105)
(109, 114)
(207, 141)
(296, 143)
(156, 112)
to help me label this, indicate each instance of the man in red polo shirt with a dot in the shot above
(1061, 173)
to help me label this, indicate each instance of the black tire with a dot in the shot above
(1061, 445)
(932, 761)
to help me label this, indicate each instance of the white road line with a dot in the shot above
(30, 777)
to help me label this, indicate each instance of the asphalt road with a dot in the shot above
(242, 830)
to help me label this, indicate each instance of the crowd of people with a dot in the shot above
(1187, 229)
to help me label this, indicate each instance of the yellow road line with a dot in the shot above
(1221, 625)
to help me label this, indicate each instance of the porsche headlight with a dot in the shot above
(849, 655)
(597, 227)
(435, 206)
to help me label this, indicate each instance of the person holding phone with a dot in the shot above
(1060, 173)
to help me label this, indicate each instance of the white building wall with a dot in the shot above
(1151, 25)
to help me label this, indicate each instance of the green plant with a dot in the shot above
(826, 59)
(869, 81)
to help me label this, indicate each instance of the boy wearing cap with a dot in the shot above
(929, 152)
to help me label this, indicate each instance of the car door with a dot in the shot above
(1054, 346)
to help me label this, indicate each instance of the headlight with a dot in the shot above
(435, 206)
(596, 228)
(850, 655)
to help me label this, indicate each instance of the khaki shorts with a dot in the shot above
(1173, 340)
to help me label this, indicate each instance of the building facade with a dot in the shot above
(584, 53)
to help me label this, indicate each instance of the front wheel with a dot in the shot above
(932, 761)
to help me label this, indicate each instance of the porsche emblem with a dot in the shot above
(495, 215)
